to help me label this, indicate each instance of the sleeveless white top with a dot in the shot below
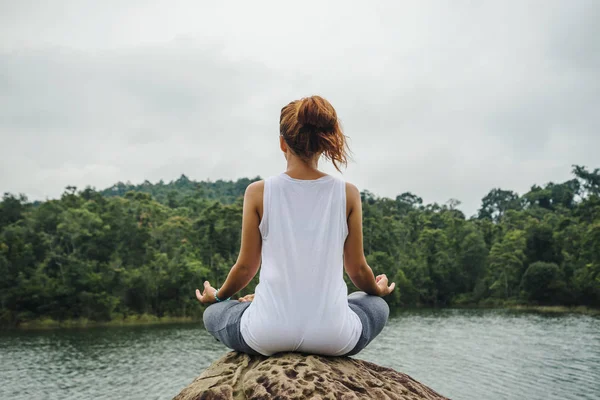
(301, 301)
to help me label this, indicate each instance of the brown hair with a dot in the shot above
(310, 126)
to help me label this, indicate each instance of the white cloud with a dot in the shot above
(438, 99)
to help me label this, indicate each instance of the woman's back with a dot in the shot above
(305, 233)
(301, 300)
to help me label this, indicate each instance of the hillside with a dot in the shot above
(177, 190)
(144, 249)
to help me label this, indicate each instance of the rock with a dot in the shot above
(301, 376)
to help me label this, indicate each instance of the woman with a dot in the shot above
(306, 226)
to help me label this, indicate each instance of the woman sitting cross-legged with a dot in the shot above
(306, 228)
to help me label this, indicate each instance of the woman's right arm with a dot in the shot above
(355, 262)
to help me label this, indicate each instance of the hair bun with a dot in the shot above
(310, 128)
(318, 112)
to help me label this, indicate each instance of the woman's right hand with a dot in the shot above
(382, 285)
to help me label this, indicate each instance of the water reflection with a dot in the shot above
(463, 354)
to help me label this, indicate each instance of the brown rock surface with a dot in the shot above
(301, 376)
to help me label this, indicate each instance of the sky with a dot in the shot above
(445, 99)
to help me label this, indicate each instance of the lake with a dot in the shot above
(462, 354)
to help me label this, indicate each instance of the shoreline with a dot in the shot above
(149, 320)
(134, 320)
(581, 310)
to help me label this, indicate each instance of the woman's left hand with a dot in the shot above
(208, 295)
(246, 298)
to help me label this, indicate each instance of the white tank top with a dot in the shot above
(301, 301)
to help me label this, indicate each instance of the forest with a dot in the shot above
(144, 249)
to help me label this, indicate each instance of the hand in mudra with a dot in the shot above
(382, 285)
(208, 294)
(246, 298)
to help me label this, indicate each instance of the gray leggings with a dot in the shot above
(222, 320)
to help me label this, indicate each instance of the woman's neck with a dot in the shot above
(300, 169)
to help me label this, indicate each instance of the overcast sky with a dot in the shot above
(446, 99)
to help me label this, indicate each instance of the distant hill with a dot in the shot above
(173, 192)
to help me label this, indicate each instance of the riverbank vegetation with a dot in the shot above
(45, 323)
(143, 249)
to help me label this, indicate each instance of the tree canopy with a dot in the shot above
(134, 249)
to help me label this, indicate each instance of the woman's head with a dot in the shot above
(310, 128)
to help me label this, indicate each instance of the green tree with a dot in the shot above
(507, 264)
(542, 283)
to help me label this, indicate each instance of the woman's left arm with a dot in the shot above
(248, 260)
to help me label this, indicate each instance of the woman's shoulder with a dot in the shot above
(255, 189)
(351, 190)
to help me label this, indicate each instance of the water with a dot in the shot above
(463, 354)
